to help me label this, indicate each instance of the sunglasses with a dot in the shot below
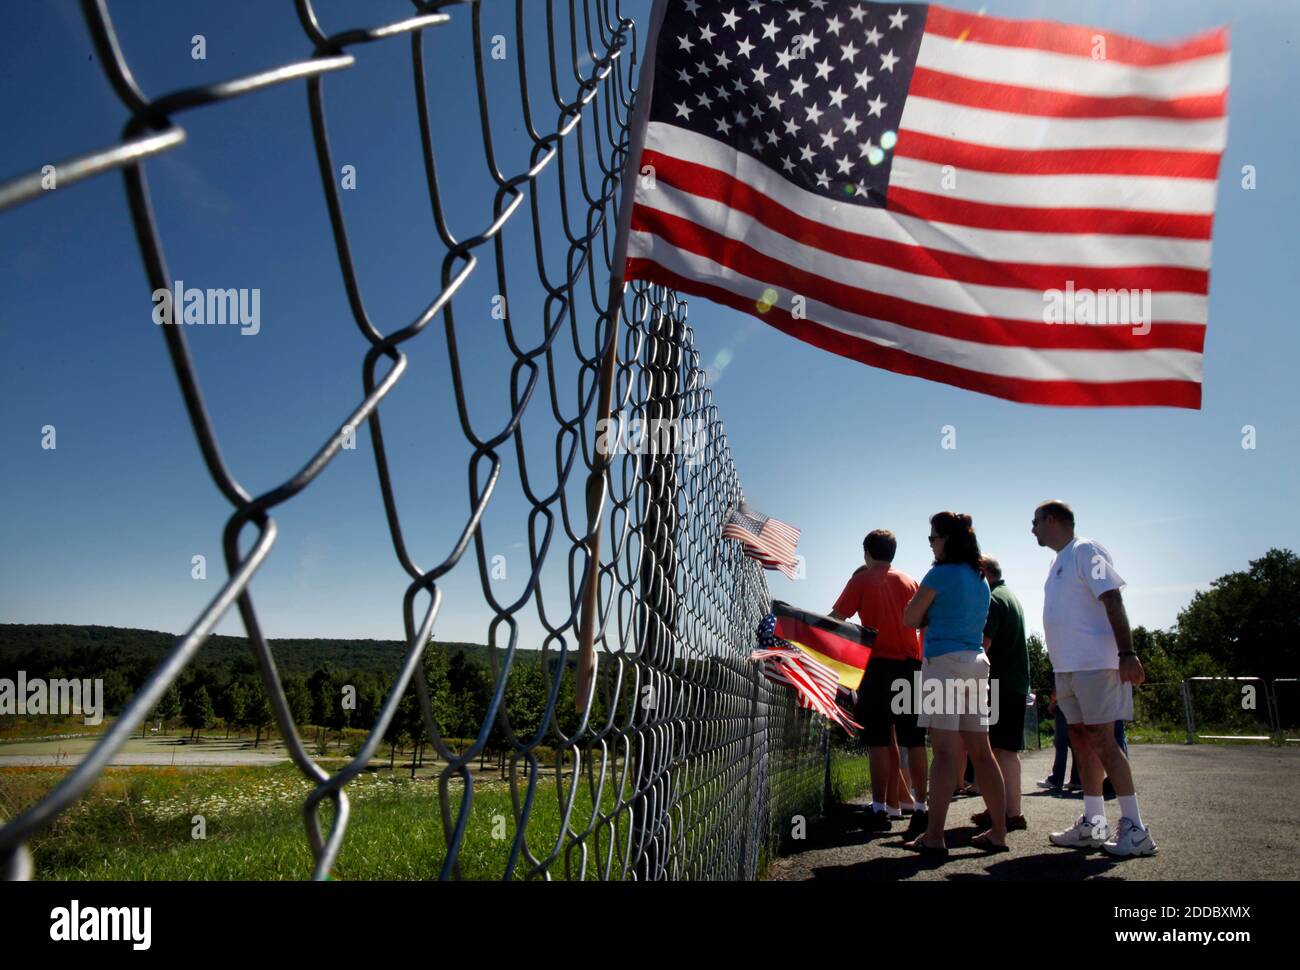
(932, 538)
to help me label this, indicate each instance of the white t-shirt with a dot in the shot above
(1079, 635)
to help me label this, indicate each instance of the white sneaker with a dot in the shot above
(1130, 840)
(1083, 834)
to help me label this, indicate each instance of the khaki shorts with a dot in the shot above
(953, 689)
(1094, 697)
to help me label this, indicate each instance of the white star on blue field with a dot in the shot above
(815, 91)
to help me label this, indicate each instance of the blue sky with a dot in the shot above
(102, 529)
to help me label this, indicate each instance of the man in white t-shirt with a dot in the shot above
(1091, 649)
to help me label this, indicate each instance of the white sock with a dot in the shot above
(894, 811)
(1128, 808)
(920, 807)
(877, 806)
(1094, 805)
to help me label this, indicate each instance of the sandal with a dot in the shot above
(982, 841)
(916, 845)
(1015, 823)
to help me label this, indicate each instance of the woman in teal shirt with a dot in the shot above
(953, 604)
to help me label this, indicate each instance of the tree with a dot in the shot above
(1040, 666)
(337, 715)
(525, 699)
(196, 710)
(1247, 623)
(370, 698)
(411, 724)
(398, 733)
(435, 675)
(117, 690)
(566, 711)
(410, 714)
(234, 702)
(298, 695)
(321, 686)
(469, 688)
(169, 707)
(258, 713)
(1160, 700)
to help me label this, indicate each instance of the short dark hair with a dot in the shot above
(992, 566)
(960, 544)
(880, 545)
(1057, 510)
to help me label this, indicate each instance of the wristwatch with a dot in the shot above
(1127, 653)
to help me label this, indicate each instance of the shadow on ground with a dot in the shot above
(1202, 804)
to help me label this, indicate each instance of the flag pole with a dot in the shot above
(586, 674)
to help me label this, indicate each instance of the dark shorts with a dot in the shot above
(875, 711)
(1008, 732)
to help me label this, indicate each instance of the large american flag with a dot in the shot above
(769, 541)
(923, 190)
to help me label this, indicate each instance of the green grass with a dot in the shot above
(850, 775)
(49, 726)
(136, 824)
(1139, 732)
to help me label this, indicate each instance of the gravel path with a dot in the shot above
(1217, 812)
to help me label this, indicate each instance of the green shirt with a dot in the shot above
(1005, 628)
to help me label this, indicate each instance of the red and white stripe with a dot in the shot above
(814, 684)
(774, 546)
(1067, 168)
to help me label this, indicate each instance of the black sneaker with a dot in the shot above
(919, 823)
(876, 820)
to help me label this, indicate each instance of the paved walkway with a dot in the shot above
(189, 759)
(1217, 812)
(153, 750)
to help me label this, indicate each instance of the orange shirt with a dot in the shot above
(878, 596)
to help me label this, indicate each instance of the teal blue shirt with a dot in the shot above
(961, 605)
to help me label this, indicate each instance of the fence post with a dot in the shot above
(1274, 715)
(1187, 712)
(750, 823)
(826, 754)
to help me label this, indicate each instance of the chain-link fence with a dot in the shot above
(1286, 707)
(683, 762)
(1158, 713)
(1207, 709)
(1158, 708)
(1229, 708)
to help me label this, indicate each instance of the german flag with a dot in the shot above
(843, 647)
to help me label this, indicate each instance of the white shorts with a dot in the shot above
(1094, 697)
(954, 683)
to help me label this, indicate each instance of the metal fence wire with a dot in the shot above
(686, 764)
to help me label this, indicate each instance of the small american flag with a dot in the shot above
(769, 541)
(816, 686)
(938, 193)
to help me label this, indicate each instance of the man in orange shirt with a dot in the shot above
(877, 593)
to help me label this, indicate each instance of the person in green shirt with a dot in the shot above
(1004, 642)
